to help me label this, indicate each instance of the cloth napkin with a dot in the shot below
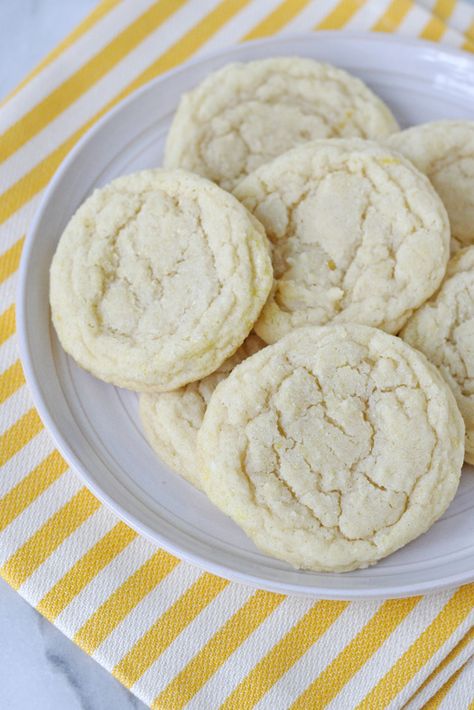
(173, 634)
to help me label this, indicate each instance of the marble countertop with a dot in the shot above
(41, 669)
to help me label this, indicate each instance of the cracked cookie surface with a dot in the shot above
(357, 233)
(158, 279)
(171, 420)
(444, 151)
(246, 114)
(332, 448)
(443, 329)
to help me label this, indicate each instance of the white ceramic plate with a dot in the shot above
(96, 426)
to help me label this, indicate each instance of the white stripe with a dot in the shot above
(440, 679)
(314, 661)
(20, 465)
(106, 89)
(32, 518)
(311, 16)
(104, 585)
(368, 15)
(145, 613)
(18, 404)
(450, 36)
(8, 292)
(462, 16)
(66, 555)
(412, 686)
(249, 653)
(427, 4)
(390, 651)
(460, 695)
(19, 222)
(414, 22)
(8, 353)
(71, 60)
(191, 640)
(453, 38)
(238, 26)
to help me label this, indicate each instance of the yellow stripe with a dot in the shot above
(167, 628)
(468, 46)
(30, 487)
(284, 654)
(470, 31)
(468, 638)
(393, 16)
(7, 324)
(102, 9)
(85, 569)
(469, 43)
(444, 9)
(362, 647)
(11, 380)
(277, 19)
(420, 652)
(217, 650)
(437, 699)
(121, 602)
(48, 537)
(10, 260)
(433, 30)
(19, 434)
(30, 184)
(52, 105)
(340, 16)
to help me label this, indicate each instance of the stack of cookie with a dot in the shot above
(281, 297)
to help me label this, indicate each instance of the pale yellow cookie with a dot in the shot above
(443, 329)
(246, 114)
(334, 447)
(444, 151)
(358, 235)
(157, 279)
(171, 420)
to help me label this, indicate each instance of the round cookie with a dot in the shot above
(171, 420)
(157, 279)
(333, 448)
(444, 151)
(358, 235)
(246, 114)
(443, 329)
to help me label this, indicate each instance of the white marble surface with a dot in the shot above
(41, 669)
(29, 29)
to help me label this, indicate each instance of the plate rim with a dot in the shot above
(335, 593)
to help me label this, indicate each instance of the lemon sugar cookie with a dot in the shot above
(444, 151)
(443, 329)
(245, 114)
(158, 279)
(171, 420)
(358, 235)
(332, 448)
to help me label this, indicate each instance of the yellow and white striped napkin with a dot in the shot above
(175, 635)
